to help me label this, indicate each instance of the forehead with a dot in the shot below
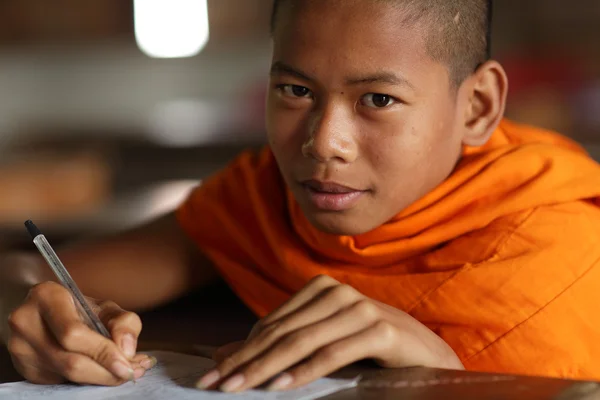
(352, 36)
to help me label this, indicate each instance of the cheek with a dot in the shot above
(285, 129)
(413, 156)
(398, 146)
(280, 123)
(399, 155)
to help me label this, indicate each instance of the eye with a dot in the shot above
(378, 100)
(295, 90)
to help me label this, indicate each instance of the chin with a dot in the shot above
(337, 223)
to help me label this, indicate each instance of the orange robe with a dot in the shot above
(501, 260)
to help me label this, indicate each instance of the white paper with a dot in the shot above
(172, 378)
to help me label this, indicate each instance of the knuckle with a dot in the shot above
(104, 351)
(322, 281)
(18, 320)
(72, 335)
(229, 364)
(270, 332)
(298, 342)
(38, 290)
(131, 318)
(365, 309)
(343, 292)
(107, 309)
(17, 347)
(72, 366)
(384, 330)
(107, 304)
(125, 319)
(253, 369)
(329, 355)
(44, 289)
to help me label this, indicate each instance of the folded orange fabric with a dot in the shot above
(500, 260)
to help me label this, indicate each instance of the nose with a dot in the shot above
(331, 136)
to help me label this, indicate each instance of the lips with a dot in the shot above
(330, 196)
(329, 187)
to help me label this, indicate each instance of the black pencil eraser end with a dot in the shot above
(32, 229)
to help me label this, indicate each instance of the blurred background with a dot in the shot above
(98, 134)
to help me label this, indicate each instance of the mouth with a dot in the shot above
(328, 187)
(331, 196)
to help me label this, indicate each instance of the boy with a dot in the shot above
(395, 216)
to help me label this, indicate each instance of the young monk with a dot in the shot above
(394, 216)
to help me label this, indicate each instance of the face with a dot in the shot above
(361, 120)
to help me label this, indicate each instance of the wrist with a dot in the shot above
(18, 273)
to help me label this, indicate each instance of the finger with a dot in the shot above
(368, 343)
(307, 294)
(225, 351)
(40, 359)
(81, 369)
(334, 299)
(43, 360)
(124, 326)
(143, 361)
(300, 344)
(313, 288)
(26, 326)
(34, 374)
(27, 363)
(58, 311)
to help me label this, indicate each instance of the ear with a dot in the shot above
(486, 91)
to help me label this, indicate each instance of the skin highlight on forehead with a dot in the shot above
(457, 31)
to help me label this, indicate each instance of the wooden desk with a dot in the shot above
(215, 317)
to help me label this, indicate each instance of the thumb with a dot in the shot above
(124, 327)
(224, 351)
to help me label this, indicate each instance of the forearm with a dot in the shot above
(138, 269)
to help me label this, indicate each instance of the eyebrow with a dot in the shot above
(380, 77)
(280, 68)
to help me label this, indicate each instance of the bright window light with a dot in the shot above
(171, 28)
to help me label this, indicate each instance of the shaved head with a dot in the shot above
(458, 31)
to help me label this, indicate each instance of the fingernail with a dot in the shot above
(128, 345)
(208, 380)
(281, 383)
(233, 383)
(149, 362)
(120, 369)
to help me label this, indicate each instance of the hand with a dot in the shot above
(49, 343)
(321, 329)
